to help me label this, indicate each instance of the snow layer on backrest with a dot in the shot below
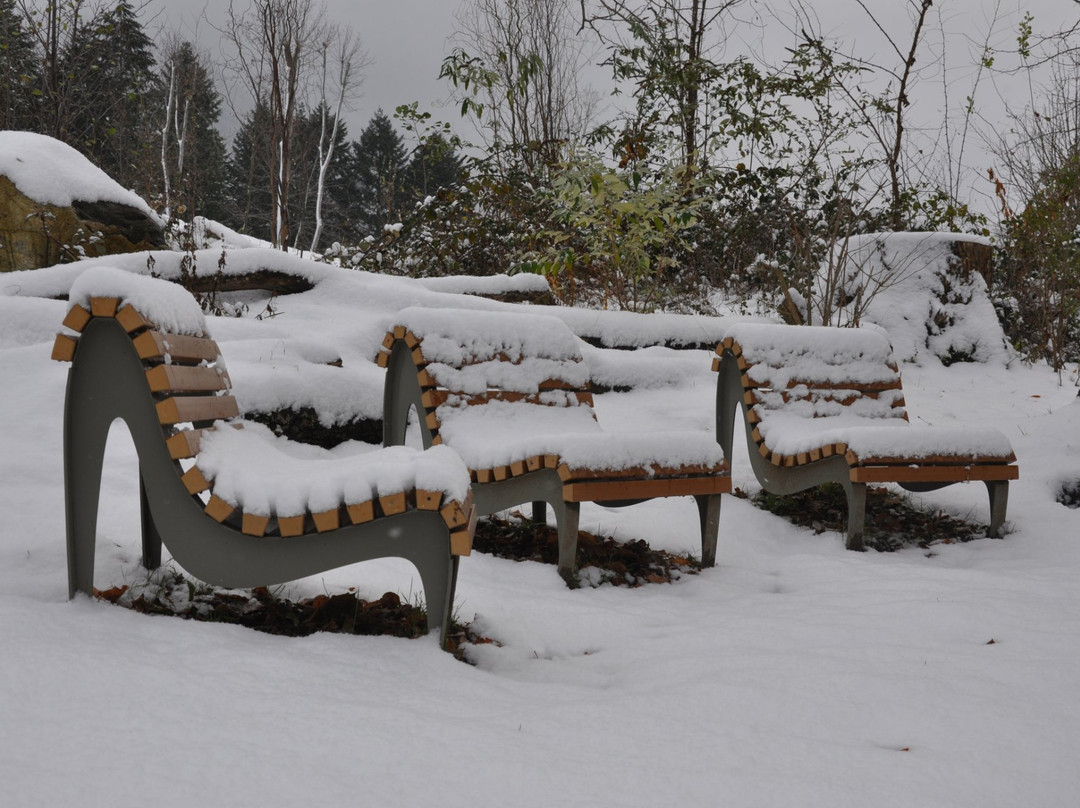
(781, 354)
(53, 173)
(170, 307)
(459, 336)
(266, 475)
(524, 376)
(486, 285)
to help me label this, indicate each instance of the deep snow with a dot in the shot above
(794, 673)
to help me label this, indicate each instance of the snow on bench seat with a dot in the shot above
(509, 393)
(827, 404)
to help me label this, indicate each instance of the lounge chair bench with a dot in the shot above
(243, 512)
(509, 393)
(827, 405)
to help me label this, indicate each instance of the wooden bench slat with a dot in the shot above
(934, 474)
(77, 318)
(361, 512)
(654, 471)
(154, 346)
(289, 526)
(186, 378)
(614, 490)
(184, 443)
(394, 503)
(218, 509)
(179, 409)
(131, 320)
(194, 481)
(327, 520)
(64, 348)
(254, 525)
(104, 306)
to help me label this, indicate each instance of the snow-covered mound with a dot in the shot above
(914, 286)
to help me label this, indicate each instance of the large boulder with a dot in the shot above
(57, 206)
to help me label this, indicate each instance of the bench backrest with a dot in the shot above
(815, 371)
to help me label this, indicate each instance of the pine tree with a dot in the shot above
(18, 69)
(434, 165)
(112, 61)
(378, 168)
(196, 154)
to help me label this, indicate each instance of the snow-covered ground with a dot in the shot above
(794, 673)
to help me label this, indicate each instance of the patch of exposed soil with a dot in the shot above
(600, 559)
(170, 593)
(893, 522)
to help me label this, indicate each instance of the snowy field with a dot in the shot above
(794, 673)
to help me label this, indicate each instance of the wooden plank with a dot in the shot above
(930, 460)
(194, 481)
(398, 332)
(131, 320)
(254, 525)
(179, 409)
(763, 450)
(104, 306)
(933, 474)
(361, 512)
(461, 542)
(64, 348)
(613, 490)
(291, 525)
(389, 340)
(501, 473)
(186, 378)
(154, 346)
(432, 420)
(428, 500)
(453, 514)
(654, 470)
(426, 379)
(77, 318)
(411, 339)
(394, 503)
(485, 476)
(185, 443)
(218, 509)
(327, 520)
(535, 463)
(551, 461)
(716, 364)
(382, 359)
(518, 467)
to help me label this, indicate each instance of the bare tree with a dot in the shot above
(276, 45)
(530, 59)
(347, 60)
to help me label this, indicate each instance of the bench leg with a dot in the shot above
(539, 512)
(84, 454)
(568, 516)
(709, 513)
(856, 501)
(999, 501)
(151, 537)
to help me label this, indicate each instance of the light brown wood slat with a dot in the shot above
(551, 461)
(382, 359)
(535, 463)
(398, 332)
(716, 364)
(752, 415)
(929, 460)
(254, 525)
(432, 420)
(736, 348)
(612, 490)
(289, 526)
(411, 339)
(933, 474)
(179, 409)
(763, 450)
(485, 475)
(436, 439)
(131, 320)
(77, 318)
(327, 520)
(218, 509)
(655, 470)
(815, 455)
(725, 344)
(461, 542)
(434, 398)
(428, 500)
(776, 459)
(185, 443)
(194, 481)
(756, 435)
(394, 503)
(186, 378)
(453, 514)
(361, 512)
(425, 379)
(104, 306)
(64, 348)
(741, 363)
(518, 467)
(153, 346)
(802, 458)
(501, 473)
(790, 461)
(389, 340)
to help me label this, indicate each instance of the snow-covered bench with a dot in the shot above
(509, 393)
(236, 507)
(827, 405)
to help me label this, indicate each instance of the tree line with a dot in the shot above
(718, 169)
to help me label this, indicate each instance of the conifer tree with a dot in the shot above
(378, 170)
(18, 69)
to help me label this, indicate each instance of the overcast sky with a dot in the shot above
(406, 41)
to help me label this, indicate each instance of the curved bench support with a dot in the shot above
(106, 382)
